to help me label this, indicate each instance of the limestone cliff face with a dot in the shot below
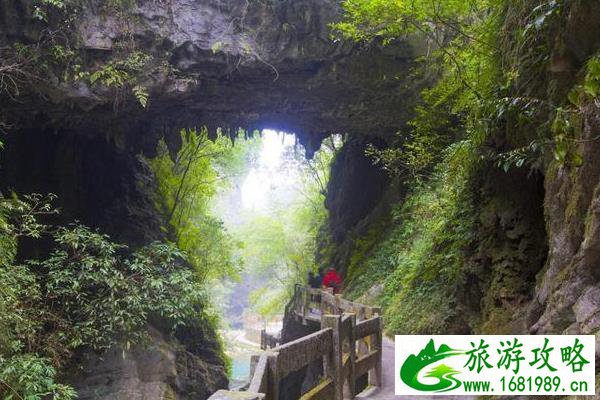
(533, 263)
(538, 247)
(250, 64)
(165, 369)
(567, 294)
(355, 190)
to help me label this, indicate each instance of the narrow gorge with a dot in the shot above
(455, 149)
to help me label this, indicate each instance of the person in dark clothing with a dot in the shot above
(314, 281)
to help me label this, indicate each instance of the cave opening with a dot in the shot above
(273, 208)
(263, 211)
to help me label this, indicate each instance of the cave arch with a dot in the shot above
(279, 69)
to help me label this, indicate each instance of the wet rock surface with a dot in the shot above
(568, 289)
(164, 369)
(355, 188)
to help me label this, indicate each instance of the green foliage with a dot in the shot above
(117, 73)
(186, 187)
(86, 263)
(517, 158)
(489, 104)
(19, 217)
(56, 56)
(365, 19)
(281, 242)
(141, 94)
(591, 86)
(422, 257)
(126, 72)
(372, 259)
(491, 59)
(538, 123)
(267, 302)
(564, 125)
(41, 8)
(32, 378)
(88, 293)
(437, 123)
(589, 90)
(279, 250)
(463, 100)
(565, 122)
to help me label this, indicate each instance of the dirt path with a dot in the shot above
(387, 391)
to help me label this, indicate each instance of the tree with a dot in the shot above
(281, 239)
(186, 187)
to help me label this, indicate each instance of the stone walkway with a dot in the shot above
(387, 391)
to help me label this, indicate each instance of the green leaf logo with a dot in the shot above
(412, 366)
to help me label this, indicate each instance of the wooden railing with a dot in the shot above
(349, 344)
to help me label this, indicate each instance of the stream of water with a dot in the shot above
(240, 350)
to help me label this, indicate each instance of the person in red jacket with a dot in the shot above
(332, 280)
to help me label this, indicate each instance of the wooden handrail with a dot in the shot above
(367, 327)
(335, 344)
(301, 352)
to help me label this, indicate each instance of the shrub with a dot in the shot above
(89, 293)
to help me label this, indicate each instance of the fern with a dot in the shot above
(141, 94)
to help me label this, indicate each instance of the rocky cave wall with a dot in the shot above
(96, 183)
(356, 191)
(231, 64)
(533, 267)
(565, 294)
(264, 64)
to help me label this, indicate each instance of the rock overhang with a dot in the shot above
(296, 79)
(241, 64)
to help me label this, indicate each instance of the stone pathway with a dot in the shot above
(387, 391)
